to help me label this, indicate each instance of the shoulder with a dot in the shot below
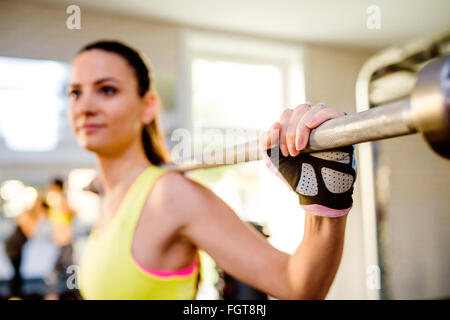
(180, 195)
(173, 185)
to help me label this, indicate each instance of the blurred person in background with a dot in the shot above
(60, 214)
(26, 226)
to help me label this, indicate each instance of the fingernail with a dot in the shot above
(292, 150)
(303, 145)
(284, 150)
(298, 144)
(311, 122)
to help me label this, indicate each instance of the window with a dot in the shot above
(243, 84)
(31, 101)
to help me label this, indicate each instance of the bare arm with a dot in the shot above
(318, 256)
(245, 254)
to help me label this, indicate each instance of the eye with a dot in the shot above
(108, 91)
(74, 93)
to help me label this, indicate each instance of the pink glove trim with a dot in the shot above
(319, 210)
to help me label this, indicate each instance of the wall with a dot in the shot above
(330, 78)
(415, 231)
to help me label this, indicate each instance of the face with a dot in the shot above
(106, 112)
(54, 187)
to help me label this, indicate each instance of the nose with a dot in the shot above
(85, 104)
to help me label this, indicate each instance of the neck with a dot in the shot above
(120, 170)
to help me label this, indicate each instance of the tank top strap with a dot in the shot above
(133, 203)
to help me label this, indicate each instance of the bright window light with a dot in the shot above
(10, 188)
(31, 100)
(17, 197)
(86, 204)
(234, 94)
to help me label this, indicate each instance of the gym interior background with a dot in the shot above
(216, 65)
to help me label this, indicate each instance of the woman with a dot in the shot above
(61, 216)
(26, 225)
(153, 222)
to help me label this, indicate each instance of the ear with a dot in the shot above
(151, 104)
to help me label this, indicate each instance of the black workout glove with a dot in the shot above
(323, 180)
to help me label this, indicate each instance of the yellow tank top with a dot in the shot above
(59, 217)
(56, 214)
(108, 269)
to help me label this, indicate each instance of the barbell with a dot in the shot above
(427, 111)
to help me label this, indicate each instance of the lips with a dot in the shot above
(91, 127)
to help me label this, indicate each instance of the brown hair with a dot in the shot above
(152, 133)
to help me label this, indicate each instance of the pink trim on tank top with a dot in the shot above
(167, 273)
(323, 211)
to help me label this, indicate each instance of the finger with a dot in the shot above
(296, 117)
(302, 132)
(284, 121)
(269, 139)
(322, 116)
